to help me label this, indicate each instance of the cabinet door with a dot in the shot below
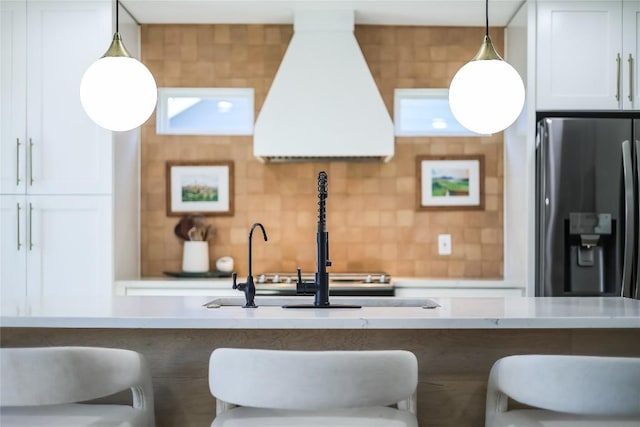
(69, 252)
(70, 154)
(13, 40)
(13, 247)
(631, 55)
(578, 45)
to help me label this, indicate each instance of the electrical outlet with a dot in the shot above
(444, 244)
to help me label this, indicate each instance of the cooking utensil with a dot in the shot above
(209, 233)
(193, 234)
(183, 226)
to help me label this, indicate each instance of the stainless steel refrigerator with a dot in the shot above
(588, 206)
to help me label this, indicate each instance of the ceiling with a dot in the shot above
(367, 12)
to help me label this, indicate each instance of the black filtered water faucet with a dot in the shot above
(249, 287)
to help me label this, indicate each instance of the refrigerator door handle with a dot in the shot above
(637, 287)
(627, 169)
(542, 136)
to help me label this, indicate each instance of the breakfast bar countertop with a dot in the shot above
(171, 312)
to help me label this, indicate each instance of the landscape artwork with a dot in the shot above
(199, 188)
(203, 188)
(450, 182)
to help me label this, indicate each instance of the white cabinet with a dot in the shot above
(582, 53)
(13, 260)
(461, 292)
(49, 145)
(631, 55)
(54, 246)
(56, 165)
(177, 287)
(448, 288)
(13, 75)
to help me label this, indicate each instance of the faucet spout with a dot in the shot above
(249, 287)
(264, 233)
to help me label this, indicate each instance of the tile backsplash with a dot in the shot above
(372, 219)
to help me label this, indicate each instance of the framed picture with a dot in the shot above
(203, 188)
(450, 182)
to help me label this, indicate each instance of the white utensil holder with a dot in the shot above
(195, 257)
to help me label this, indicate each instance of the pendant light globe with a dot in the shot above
(486, 96)
(118, 93)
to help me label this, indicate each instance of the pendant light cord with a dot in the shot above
(117, 10)
(486, 9)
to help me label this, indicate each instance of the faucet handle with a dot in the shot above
(234, 278)
(304, 287)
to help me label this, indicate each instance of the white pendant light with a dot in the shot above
(487, 94)
(117, 91)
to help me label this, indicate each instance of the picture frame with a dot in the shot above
(450, 182)
(200, 188)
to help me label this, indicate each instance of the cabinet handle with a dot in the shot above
(30, 162)
(30, 226)
(618, 78)
(630, 78)
(18, 161)
(18, 216)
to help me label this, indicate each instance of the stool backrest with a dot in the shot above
(59, 375)
(283, 379)
(575, 384)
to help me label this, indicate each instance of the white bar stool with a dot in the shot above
(313, 388)
(41, 387)
(564, 391)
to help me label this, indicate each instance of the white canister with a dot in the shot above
(195, 256)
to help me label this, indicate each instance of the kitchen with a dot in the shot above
(282, 196)
(137, 238)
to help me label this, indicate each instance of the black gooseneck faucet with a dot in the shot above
(249, 287)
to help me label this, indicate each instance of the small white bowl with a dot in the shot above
(225, 264)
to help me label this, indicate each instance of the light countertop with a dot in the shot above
(453, 313)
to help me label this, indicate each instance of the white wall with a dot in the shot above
(519, 156)
(126, 191)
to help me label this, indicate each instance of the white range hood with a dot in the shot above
(323, 102)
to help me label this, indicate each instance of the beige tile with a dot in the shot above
(404, 217)
(491, 269)
(492, 252)
(473, 252)
(422, 268)
(473, 269)
(489, 235)
(371, 209)
(491, 203)
(439, 268)
(456, 269)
